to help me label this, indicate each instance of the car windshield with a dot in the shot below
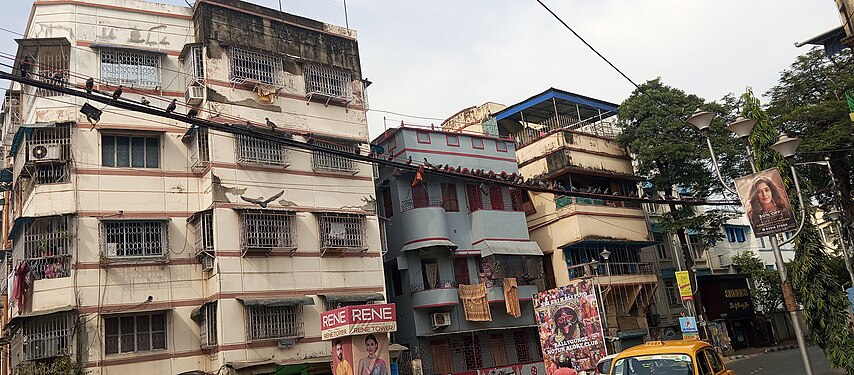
(604, 366)
(654, 364)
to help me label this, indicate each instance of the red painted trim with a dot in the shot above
(263, 168)
(475, 146)
(448, 138)
(296, 254)
(436, 305)
(573, 213)
(501, 239)
(113, 214)
(418, 135)
(88, 43)
(133, 90)
(437, 152)
(113, 7)
(499, 148)
(426, 239)
(171, 262)
(110, 171)
(251, 87)
(127, 127)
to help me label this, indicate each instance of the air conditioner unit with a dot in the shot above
(442, 319)
(44, 152)
(194, 95)
(207, 262)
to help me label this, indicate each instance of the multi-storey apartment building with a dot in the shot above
(141, 245)
(448, 232)
(567, 140)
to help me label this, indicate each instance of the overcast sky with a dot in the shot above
(433, 58)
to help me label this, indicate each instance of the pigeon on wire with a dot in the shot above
(261, 201)
(90, 84)
(270, 124)
(144, 101)
(117, 93)
(25, 66)
(172, 106)
(192, 113)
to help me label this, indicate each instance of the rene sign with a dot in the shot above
(350, 320)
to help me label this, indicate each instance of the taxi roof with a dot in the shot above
(664, 347)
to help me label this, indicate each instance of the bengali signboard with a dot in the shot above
(684, 282)
(766, 202)
(570, 326)
(358, 320)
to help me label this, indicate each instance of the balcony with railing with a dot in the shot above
(45, 245)
(419, 202)
(615, 272)
(427, 294)
(563, 201)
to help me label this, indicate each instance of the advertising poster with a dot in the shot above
(766, 202)
(684, 282)
(688, 324)
(342, 356)
(569, 326)
(370, 354)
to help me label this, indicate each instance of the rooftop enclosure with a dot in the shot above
(235, 23)
(556, 109)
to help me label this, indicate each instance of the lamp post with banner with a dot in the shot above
(766, 204)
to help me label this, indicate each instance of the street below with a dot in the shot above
(783, 362)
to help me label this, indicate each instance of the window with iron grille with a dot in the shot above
(199, 148)
(134, 238)
(329, 162)
(255, 66)
(268, 230)
(449, 197)
(47, 336)
(661, 246)
(326, 81)
(46, 246)
(193, 64)
(51, 173)
(130, 151)
(274, 322)
(343, 231)
(135, 333)
(207, 325)
(204, 232)
(673, 297)
(51, 66)
(130, 68)
(49, 144)
(260, 151)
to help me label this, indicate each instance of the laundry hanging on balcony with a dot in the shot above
(475, 303)
(511, 297)
(22, 285)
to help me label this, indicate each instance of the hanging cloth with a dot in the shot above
(475, 303)
(22, 285)
(511, 297)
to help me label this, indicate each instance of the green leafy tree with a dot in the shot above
(668, 152)
(62, 365)
(812, 274)
(765, 289)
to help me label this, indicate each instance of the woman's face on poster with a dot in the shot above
(763, 191)
(371, 346)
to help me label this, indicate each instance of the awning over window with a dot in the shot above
(353, 297)
(428, 243)
(498, 247)
(37, 313)
(276, 302)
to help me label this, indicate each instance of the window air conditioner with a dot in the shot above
(194, 95)
(207, 262)
(442, 319)
(44, 152)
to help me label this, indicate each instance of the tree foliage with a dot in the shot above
(62, 365)
(812, 273)
(765, 290)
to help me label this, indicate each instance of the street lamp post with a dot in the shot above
(594, 266)
(786, 146)
(837, 219)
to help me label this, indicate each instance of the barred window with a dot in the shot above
(254, 150)
(328, 162)
(130, 68)
(130, 151)
(51, 66)
(326, 81)
(274, 322)
(267, 230)
(47, 336)
(134, 238)
(199, 148)
(193, 63)
(46, 247)
(204, 232)
(135, 333)
(343, 231)
(249, 65)
(207, 325)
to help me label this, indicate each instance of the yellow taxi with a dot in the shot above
(676, 357)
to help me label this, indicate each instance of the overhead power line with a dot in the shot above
(286, 140)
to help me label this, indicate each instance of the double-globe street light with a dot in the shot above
(786, 146)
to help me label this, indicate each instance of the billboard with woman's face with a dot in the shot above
(766, 203)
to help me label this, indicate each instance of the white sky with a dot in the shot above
(433, 58)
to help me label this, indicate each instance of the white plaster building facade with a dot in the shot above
(144, 253)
